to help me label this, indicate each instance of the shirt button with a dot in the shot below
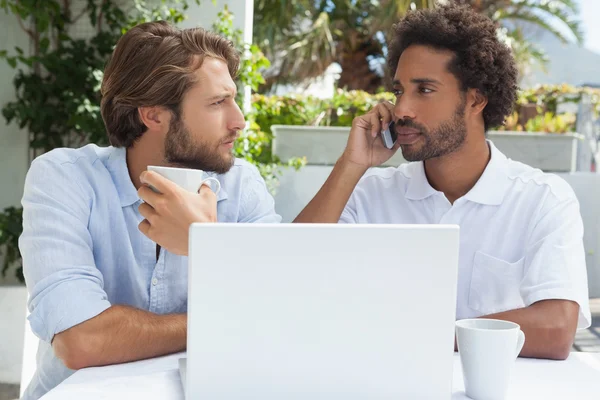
(154, 281)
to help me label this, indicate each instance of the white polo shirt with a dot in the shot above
(521, 233)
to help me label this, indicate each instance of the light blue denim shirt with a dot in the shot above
(82, 250)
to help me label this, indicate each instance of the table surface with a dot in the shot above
(578, 377)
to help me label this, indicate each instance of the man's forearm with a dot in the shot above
(549, 327)
(121, 334)
(328, 204)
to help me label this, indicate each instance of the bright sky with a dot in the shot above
(590, 12)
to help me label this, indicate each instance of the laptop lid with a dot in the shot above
(311, 311)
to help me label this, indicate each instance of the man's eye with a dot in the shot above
(397, 92)
(218, 103)
(426, 90)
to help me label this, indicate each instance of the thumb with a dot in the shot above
(206, 191)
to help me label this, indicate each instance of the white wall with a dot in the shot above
(13, 141)
(205, 14)
(12, 331)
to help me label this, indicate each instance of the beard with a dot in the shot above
(181, 151)
(445, 139)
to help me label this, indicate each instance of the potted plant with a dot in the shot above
(539, 133)
(547, 141)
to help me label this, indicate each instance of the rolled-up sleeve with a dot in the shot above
(65, 287)
(555, 265)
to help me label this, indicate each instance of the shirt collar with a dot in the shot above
(488, 190)
(117, 166)
(418, 186)
(491, 186)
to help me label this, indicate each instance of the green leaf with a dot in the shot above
(12, 61)
(42, 22)
(44, 44)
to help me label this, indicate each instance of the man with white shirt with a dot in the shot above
(101, 290)
(521, 247)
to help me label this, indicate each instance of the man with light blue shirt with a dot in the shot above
(101, 290)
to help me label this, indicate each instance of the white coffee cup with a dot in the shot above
(488, 349)
(189, 179)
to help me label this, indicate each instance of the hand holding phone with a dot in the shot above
(389, 135)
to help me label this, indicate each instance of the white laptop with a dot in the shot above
(311, 311)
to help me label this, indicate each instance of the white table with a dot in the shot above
(576, 378)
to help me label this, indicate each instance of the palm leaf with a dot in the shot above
(541, 13)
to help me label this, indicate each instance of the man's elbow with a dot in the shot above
(75, 351)
(562, 348)
(561, 343)
(559, 331)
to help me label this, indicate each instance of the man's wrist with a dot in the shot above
(350, 169)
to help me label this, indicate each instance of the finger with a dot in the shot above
(388, 105)
(149, 195)
(160, 183)
(144, 227)
(386, 112)
(206, 192)
(147, 211)
(375, 121)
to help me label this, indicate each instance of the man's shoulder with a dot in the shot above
(242, 180)
(69, 168)
(536, 182)
(62, 157)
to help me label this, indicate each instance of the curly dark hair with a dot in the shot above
(482, 62)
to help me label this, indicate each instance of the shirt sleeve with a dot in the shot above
(65, 287)
(555, 266)
(257, 204)
(349, 214)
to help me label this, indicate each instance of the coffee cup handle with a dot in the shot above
(212, 183)
(520, 343)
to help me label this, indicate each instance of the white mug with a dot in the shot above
(189, 179)
(488, 349)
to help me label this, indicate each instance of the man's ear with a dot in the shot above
(476, 101)
(155, 118)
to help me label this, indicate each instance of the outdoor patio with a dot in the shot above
(555, 125)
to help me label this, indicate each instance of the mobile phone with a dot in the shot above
(389, 135)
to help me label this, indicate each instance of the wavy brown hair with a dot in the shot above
(481, 61)
(153, 64)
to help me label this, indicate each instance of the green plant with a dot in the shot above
(546, 122)
(304, 37)
(57, 86)
(254, 144)
(307, 110)
(551, 123)
(537, 108)
(11, 220)
(548, 97)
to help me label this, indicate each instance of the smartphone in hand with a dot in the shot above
(389, 135)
